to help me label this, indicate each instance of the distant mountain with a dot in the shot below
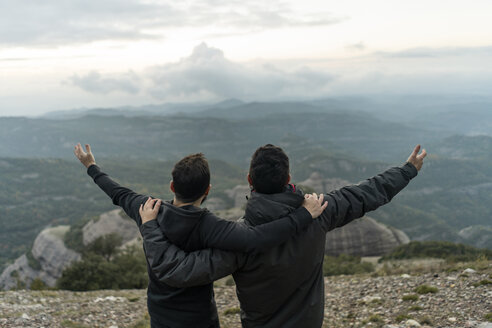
(145, 110)
(465, 147)
(231, 139)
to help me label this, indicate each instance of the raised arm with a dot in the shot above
(126, 198)
(352, 202)
(228, 235)
(177, 268)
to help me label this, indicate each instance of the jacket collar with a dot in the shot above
(263, 208)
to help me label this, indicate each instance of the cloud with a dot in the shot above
(93, 82)
(426, 52)
(208, 74)
(359, 46)
(53, 23)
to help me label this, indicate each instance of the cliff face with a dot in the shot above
(51, 256)
(111, 222)
(364, 237)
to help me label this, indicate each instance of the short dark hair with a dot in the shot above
(191, 177)
(269, 169)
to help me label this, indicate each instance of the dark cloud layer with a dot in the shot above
(55, 23)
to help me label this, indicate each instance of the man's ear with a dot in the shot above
(250, 181)
(171, 186)
(288, 180)
(208, 190)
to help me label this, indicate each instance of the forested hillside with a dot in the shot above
(41, 184)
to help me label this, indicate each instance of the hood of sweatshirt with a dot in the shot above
(178, 223)
(263, 208)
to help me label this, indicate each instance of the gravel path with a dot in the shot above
(461, 300)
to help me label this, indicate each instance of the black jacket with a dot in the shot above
(192, 228)
(282, 287)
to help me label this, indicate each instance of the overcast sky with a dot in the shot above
(85, 53)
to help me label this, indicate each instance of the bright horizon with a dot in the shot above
(93, 54)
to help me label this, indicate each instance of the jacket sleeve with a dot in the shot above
(177, 268)
(234, 236)
(352, 202)
(126, 198)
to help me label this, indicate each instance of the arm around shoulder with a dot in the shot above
(178, 268)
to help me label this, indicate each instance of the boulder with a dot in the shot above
(51, 257)
(114, 221)
(238, 195)
(364, 237)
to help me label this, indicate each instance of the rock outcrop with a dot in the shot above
(110, 222)
(238, 195)
(50, 255)
(364, 237)
(321, 185)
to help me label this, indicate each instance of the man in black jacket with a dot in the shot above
(282, 287)
(195, 228)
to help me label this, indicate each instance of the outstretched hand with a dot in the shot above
(87, 159)
(314, 204)
(150, 209)
(417, 159)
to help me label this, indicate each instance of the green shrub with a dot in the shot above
(488, 317)
(32, 261)
(106, 245)
(424, 289)
(401, 317)
(483, 283)
(38, 284)
(231, 311)
(426, 321)
(106, 269)
(451, 252)
(415, 308)
(73, 238)
(230, 282)
(71, 324)
(345, 264)
(375, 318)
(410, 297)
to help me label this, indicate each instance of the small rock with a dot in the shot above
(452, 319)
(485, 325)
(412, 323)
(406, 276)
(25, 316)
(469, 270)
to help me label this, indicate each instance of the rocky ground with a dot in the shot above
(462, 299)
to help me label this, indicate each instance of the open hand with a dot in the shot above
(417, 159)
(150, 209)
(314, 204)
(87, 159)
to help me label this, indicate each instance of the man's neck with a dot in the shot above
(178, 203)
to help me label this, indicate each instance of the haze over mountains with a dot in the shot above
(350, 138)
